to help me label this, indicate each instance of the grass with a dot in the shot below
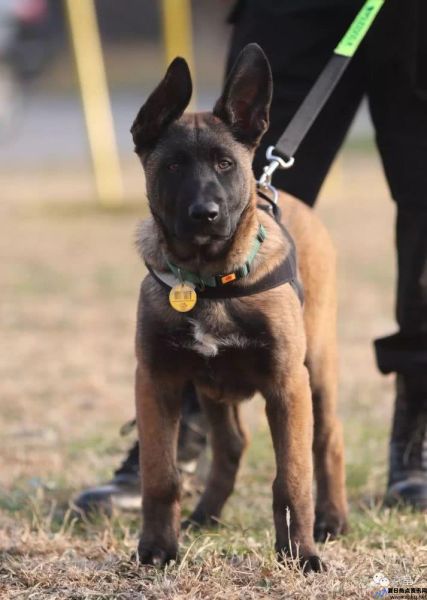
(70, 279)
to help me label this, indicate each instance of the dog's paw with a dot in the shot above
(312, 564)
(188, 524)
(308, 562)
(157, 555)
(329, 525)
(199, 519)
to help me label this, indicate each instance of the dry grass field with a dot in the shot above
(69, 284)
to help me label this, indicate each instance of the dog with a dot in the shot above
(205, 222)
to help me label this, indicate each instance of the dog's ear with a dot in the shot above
(245, 101)
(164, 105)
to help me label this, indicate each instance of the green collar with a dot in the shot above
(222, 279)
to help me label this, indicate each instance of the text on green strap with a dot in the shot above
(359, 28)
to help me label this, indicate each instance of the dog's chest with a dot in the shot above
(231, 353)
(208, 339)
(227, 349)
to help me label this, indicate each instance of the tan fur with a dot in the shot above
(299, 390)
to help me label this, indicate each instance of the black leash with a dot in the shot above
(282, 154)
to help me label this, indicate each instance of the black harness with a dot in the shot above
(285, 272)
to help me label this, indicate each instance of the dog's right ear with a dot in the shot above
(166, 104)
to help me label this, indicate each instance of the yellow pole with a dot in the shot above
(96, 102)
(177, 33)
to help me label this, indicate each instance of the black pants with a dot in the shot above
(390, 69)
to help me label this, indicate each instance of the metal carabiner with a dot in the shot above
(275, 162)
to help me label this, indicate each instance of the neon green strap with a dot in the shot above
(359, 28)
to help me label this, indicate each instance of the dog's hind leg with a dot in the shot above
(228, 443)
(158, 421)
(328, 445)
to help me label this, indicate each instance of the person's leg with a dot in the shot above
(399, 111)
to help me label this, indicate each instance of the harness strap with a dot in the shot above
(284, 273)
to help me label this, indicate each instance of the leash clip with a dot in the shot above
(275, 162)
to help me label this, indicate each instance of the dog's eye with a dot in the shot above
(224, 164)
(173, 167)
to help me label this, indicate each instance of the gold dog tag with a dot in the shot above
(182, 297)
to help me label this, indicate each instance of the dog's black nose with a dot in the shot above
(204, 212)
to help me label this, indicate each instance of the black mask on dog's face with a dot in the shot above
(198, 166)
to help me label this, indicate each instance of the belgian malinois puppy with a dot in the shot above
(203, 201)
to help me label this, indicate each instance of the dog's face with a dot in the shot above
(198, 167)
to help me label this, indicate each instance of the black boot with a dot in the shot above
(123, 491)
(407, 481)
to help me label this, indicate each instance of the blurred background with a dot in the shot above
(41, 114)
(42, 124)
(69, 272)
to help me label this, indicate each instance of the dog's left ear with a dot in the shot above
(164, 105)
(245, 102)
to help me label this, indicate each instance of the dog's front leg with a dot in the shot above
(158, 422)
(289, 412)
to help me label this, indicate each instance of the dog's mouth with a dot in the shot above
(202, 240)
(206, 240)
(201, 243)
(202, 236)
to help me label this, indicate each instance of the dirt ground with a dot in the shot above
(69, 284)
